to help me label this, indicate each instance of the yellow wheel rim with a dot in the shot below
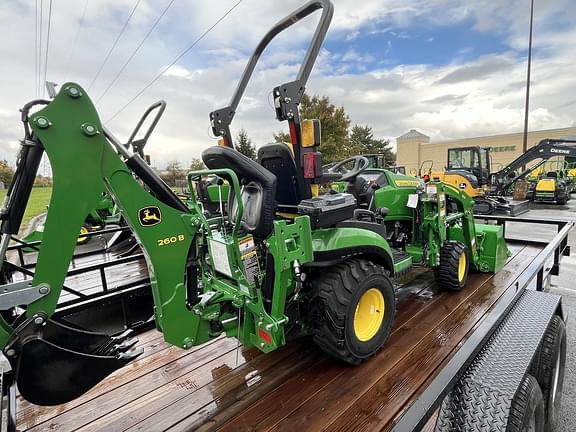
(82, 237)
(369, 314)
(461, 266)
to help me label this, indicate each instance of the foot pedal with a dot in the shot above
(55, 363)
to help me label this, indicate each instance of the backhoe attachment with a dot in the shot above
(55, 363)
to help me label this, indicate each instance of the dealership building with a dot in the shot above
(414, 147)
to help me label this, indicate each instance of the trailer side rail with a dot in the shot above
(533, 277)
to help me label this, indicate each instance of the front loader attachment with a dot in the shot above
(492, 249)
(55, 363)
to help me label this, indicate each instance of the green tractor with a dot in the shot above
(275, 260)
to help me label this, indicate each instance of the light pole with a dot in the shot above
(527, 104)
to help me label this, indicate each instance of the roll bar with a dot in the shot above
(287, 96)
(139, 144)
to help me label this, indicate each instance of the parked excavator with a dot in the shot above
(468, 169)
(277, 260)
(551, 186)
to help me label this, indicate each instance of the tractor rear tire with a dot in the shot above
(548, 368)
(352, 310)
(452, 272)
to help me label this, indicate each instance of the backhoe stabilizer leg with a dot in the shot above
(55, 363)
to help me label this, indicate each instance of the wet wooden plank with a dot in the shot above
(168, 390)
(335, 395)
(219, 378)
(131, 382)
(372, 398)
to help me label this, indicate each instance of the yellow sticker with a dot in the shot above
(407, 182)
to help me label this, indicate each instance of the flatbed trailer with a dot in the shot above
(439, 340)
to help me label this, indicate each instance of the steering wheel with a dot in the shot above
(361, 163)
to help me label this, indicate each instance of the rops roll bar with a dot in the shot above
(286, 96)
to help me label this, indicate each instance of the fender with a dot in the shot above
(333, 245)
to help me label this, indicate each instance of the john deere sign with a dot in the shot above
(510, 148)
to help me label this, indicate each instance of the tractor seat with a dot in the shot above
(258, 189)
(552, 174)
(277, 159)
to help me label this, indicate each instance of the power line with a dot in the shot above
(47, 47)
(182, 54)
(114, 44)
(36, 48)
(40, 48)
(80, 26)
(135, 51)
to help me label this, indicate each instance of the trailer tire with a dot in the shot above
(352, 309)
(452, 272)
(548, 368)
(527, 407)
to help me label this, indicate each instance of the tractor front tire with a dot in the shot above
(452, 272)
(352, 310)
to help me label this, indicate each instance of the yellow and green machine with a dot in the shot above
(270, 260)
(553, 181)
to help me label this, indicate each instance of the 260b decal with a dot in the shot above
(169, 240)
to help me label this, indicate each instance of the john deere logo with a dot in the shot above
(462, 186)
(149, 216)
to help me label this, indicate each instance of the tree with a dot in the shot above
(173, 173)
(41, 181)
(244, 144)
(362, 141)
(6, 173)
(334, 122)
(196, 165)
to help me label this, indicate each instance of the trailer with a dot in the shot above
(454, 361)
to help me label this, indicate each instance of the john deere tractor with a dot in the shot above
(275, 260)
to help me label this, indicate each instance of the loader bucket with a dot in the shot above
(492, 249)
(57, 363)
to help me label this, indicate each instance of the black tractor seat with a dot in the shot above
(277, 158)
(258, 189)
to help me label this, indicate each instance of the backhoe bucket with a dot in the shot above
(492, 249)
(55, 363)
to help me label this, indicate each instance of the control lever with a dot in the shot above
(138, 145)
(374, 187)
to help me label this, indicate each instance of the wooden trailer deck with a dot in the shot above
(220, 387)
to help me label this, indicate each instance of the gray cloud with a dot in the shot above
(485, 67)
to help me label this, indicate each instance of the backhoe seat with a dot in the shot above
(258, 189)
(277, 158)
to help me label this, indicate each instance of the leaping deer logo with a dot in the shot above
(149, 216)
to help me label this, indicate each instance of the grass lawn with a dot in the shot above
(39, 199)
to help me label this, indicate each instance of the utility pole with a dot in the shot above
(527, 104)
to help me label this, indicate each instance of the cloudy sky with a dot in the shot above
(448, 68)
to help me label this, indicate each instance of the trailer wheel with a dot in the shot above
(452, 272)
(548, 368)
(527, 408)
(352, 310)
